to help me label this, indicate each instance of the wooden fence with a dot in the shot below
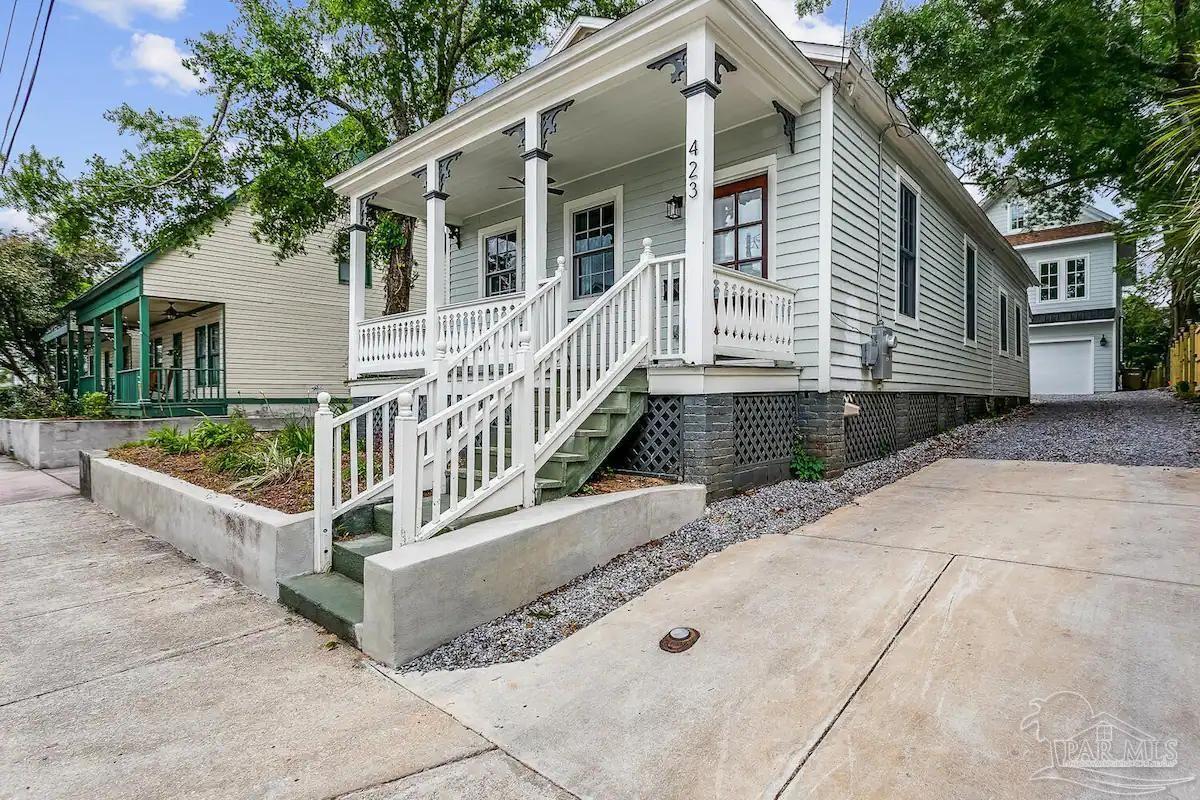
(1183, 355)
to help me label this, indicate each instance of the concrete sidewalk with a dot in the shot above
(127, 670)
(896, 648)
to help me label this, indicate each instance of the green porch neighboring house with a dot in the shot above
(153, 356)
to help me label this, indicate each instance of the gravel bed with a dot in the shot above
(1148, 428)
(1129, 428)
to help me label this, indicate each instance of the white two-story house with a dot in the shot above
(1075, 310)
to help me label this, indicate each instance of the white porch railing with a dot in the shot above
(398, 342)
(754, 316)
(355, 454)
(471, 434)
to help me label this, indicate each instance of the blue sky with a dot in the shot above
(100, 53)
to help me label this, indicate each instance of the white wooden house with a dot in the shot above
(1075, 310)
(736, 235)
(217, 326)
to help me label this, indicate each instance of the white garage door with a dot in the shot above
(1060, 367)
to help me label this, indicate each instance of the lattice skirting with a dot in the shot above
(922, 416)
(655, 445)
(764, 428)
(871, 433)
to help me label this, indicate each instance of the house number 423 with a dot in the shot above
(693, 175)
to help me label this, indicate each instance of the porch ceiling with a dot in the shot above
(158, 310)
(638, 114)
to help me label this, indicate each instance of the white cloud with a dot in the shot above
(815, 28)
(12, 219)
(159, 58)
(122, 12)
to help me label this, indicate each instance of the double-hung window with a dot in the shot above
(500, 264)
(1076, 278)
(344, 272)
(1020, 321)
(208, 355)
(1016, 217)
(1048, 277)
(908, 229)
(593, 250)
(970, 290)
(1003, 323)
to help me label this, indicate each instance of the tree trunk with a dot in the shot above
(401, 272)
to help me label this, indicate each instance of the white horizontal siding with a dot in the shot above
(646, 184)
(931, 356)
(286, 323)
(1101, 286)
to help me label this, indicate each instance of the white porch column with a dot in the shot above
(358, 275)
(701, 93)
(435, 254)
(536, 202)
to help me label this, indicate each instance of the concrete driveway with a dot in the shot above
(933, 640)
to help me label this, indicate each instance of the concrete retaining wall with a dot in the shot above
(52, 443)
(424, 594)
(253, 545)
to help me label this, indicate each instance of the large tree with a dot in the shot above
(1055, 101)
(36, 282)
(1146, 332)
(301, 93)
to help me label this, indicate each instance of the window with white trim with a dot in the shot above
(593, 250)
(1048, 277)
(500, 264)
(970, 291)
(907, 249)
(1076, 278)
(1016, 216)
(1020, 323)
(1002, 319)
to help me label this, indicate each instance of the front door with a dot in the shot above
(740, 226)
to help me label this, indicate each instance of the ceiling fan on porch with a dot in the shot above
(172, 313)
(521, 185)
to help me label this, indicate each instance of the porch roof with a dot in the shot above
(609, 58)
(119, 288)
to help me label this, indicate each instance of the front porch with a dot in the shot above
(152, 356)
(701, 183)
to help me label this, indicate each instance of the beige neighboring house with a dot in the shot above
(216, 326)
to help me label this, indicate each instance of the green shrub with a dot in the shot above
(96, 405)
(297, 438)
(36, 401)
(170, 440)
(806, 467)
(1183, 387)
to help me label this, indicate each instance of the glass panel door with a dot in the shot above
(740, 226)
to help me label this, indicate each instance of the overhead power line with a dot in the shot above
(32, 79)
(7, 35)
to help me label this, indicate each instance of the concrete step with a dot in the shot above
(349, 554)
(330, 599)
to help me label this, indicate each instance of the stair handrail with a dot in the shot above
(457, 427)
(623, 314)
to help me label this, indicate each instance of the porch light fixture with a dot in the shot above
(674, 207)
(1103, 340)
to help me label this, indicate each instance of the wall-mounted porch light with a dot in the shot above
(1103, 340)
(674, 207)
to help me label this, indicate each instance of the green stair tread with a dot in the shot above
(349, 554)
(329, 599)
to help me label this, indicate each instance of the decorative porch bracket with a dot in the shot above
(678, 63)
(789, 125)
(548, 122)
(518, 130)
(443, 169)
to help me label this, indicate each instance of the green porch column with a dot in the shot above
(118, 353)
(97, 355)
(77, 356)
(144, 350)
(72, 359)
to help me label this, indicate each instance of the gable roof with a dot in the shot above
(577, 31)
